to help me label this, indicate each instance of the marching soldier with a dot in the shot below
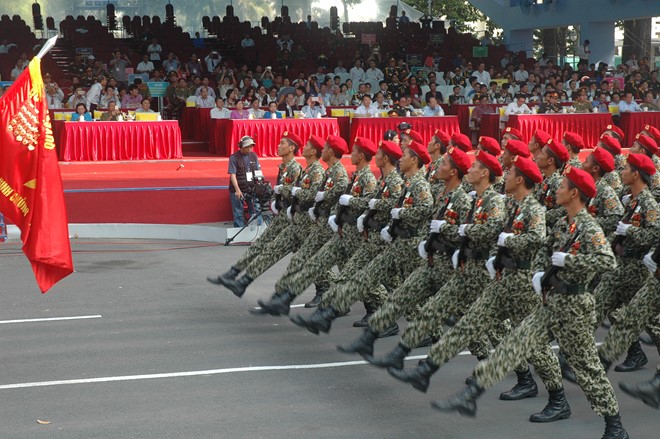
(605, 207)
(536, 143)
(574, 144)
(437, 148)
(551, 160)
(491, 146)
(612, 145)
(511, 133)
(647, 145)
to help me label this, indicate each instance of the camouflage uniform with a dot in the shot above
(288, 175)
(397, 260)
(507, 298)
(605, 207)
(654, 186)
(613, 179)
(569, 316)
(575, 162)
(545, 194)
(437, 185)
(582, 107)
(468, 282)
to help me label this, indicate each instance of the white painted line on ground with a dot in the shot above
(51, 319)
(292, 306)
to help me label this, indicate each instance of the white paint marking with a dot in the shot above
(302, 305)
(51, 319)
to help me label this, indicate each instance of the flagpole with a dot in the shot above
(49, 45)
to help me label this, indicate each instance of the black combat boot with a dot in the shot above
(648, 391)
(525, 387)
(464, 402)
(316, 300)
(419, 377)
(566, 370)
(231, 274)
(605, 362)
(364, 345)
(614, 429)
(394, 359)
(279, 304)
(391, 330)
(556, 409)
(236, 286)
(319, 321)
(364, 321)
(635, 360)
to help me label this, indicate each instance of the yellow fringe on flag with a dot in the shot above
(37, 90)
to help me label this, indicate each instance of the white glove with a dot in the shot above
(273, 208)
(490, 266)
(650, 263)
(385, 234)
(422, 251)
(396, 212)
(289, 214)
(295, 190)
(501, 240)
(559, 259)
(278, 189)
(360, 223)
(536, 281)
(472, 194)
(454, 259)
(310, 212)
(436, 225)
(622, 229)
(461, 229)
(545, 208)
(332, 222)
(625, 199)
(372, 203)
(320, 196)
(345, 199)
(503, 196)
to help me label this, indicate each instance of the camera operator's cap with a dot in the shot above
(582, 180)
(647, 142)
(515, 132)
(292, 137)
(603, 158)
(414, 135)
(491, 145)
(542, 137)
(517, 147)
(611, 144)
(462, 141)
(574, 139)
(615, 129)
(337, 144)
(316, 141)
(460, 159)
(641, 163)
(390, 148)
(246, 141)
(489, 161)
(421, 152)
(365, 145)
(442, 136)
(653, 132)
(528, 168)
(558, 150)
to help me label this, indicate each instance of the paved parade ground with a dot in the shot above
(136, 344)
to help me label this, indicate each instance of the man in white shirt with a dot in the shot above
(109, 96)
(628, 105)
(171, 64)
(145, 66)
(53, 99)
(255, 112)
(357, 74)
(311, 110)
(220, 112)
(5, 46)
(16, 71)
(366, 109)
(373, 73)
(483, 77)
(521, 74)
(95, 93)
(518, 106)
(204, 100)
(433, 109)
(209, 89)
(154, 51)
(212, 61)
(340, 68)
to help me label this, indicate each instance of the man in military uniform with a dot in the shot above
(551, 105)
(574, 144)
(605, 207)
(461, 141)
(614, 145)
(396, 88)
(582, 105)
(511, 133)
(492, 146)
(437, 148)
(647, 145)
(578, 250)
(536, 143)
(551, 160)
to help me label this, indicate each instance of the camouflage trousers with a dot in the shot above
(280, 222)
(407, 299)
(381, 264)
(337, 251)
(571, 319)
(510, 298)
(641, 312)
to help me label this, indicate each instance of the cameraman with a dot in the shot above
(242, 166)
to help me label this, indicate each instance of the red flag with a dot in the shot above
(31, 194)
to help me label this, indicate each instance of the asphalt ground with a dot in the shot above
(154, 351)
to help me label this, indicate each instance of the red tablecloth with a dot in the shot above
(266, 132)
(374, 127)
(195, 124)
(633, 123)
(92, 141)
(490, 125)
(589, 125)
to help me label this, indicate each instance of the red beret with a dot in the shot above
(365, 145)
(414, 135)
(443, 137)
(582, 180)
(611, 144)
(292, 137)
(337, 144)
(542, 137)
(460, 159)
(604, 159)
(513, 132)
(528, 168)
(574, 140)
(653, 132)
(491, 145)
(617, 130)
(647, 142)
(642, 163)
(461, 141)
(558, 150)
(489, 161)
(517, 147)
(421, 152)
(316, 141)
(390, 148)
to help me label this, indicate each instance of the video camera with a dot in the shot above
(260, 193)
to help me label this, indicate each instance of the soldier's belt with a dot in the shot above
(561, 287)
(440, 247)
(513, 264)
(347, 218)
(323, 212)
(372, 224)
(403, 233)
(626, 252)
(471, 253)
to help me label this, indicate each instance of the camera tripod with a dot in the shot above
(264, 214)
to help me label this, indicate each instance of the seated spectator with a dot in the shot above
(518, 106)
(171, 64)
(272, 112)
(337, 98)
(112, 114)
(628, 104)
(457, 97)
(212, 61)
(87, 80)
(311, 110)
(649, 104)
(78, 97)
(366, 109)
(53, 98)
(156, 76)
(145, 106)
(133, 99)
(81, 114)
(270, 97)
(204, 100)
(193, 67)
(109, 96)
(206, 83)
(433, 93)
(255, 112)
(582, 105)
(380, 103)
(219, 111)
(433, 108)
(17, 70)
(239, 112)
(284, 43)
(247, 41)
(145, 66)
(5, 46)
(78, 66)
(601, 105)
(551, 104)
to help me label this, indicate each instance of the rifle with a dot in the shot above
(553, 270)
(342, 209)
(395, 222)
(371, 212)
(618, 239)
(501, 251)
(656, 257)
(278, 197)
(317, 204)
(430, 246)
(295, 201)
(465, 240)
